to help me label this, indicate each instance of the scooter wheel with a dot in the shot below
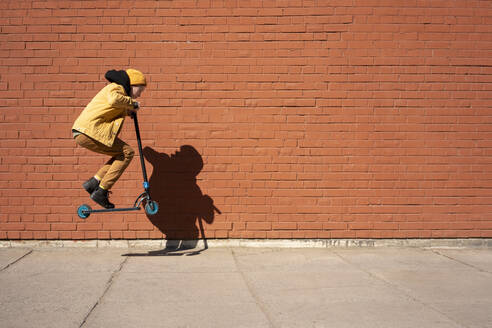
(84, 211)
(152, 207)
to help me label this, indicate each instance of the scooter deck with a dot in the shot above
(85, 210)
(115, 210)
(151, 208)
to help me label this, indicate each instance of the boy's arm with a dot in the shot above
(118, 99)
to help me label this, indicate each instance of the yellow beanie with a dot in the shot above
(136, 77)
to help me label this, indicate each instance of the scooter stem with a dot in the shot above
(142, 160)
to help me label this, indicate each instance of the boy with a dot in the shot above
(99, 124)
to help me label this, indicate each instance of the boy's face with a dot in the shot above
(137, 90)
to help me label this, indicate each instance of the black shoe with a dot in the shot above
(91, 185)
(100, 196)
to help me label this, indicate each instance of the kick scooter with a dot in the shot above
(151, 206)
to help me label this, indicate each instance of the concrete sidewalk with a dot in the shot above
(246, 287)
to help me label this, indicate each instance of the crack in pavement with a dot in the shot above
(250, 288)
(108, 285)
(400, 289)
(14, 262)
(461, 262)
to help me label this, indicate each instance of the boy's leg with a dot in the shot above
(121, 153)
(103, 170)
(115, 167)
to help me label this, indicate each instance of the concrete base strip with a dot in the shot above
(252, 243)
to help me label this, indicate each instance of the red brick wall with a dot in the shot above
(314, 119)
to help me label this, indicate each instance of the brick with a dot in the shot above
(63, 226)
(284, 226)
(12, 226)
(138, 226)
(258, 226)
(38, 226)
(103, 235)
(89, 227)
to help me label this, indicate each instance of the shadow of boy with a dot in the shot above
(181, 202)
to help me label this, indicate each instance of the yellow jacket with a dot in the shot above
(103, 117)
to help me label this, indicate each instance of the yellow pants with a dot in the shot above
(121, 155)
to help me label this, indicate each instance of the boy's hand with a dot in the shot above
(136, 107)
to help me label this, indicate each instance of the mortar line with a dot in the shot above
(258, 302)
(399, 289)
(17, 260)
(108, 285)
